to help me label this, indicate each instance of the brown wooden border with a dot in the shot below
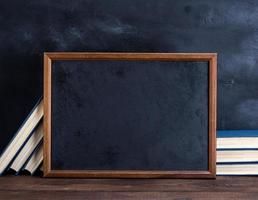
(209, 57)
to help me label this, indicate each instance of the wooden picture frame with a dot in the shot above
(211, 58)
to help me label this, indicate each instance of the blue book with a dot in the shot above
(21, 136)
(237, 139)
(238, 169)
(237, 133)
(237, 156)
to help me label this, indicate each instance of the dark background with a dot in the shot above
(29, 27)
(129, 115)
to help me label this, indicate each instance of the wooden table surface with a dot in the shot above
(224, 187)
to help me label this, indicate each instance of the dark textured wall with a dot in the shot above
(129, 115)
(29, 27)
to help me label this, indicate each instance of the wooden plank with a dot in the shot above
(224, 187)
(68, 195)
(221, 184)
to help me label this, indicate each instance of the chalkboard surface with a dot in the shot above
(150, 115)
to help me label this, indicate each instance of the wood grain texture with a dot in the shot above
(130, 56)
(212, 113)
(224, 187)
(209, 57)
(47, 114)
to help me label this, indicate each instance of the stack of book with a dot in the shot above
(24, 152)
(237, 152)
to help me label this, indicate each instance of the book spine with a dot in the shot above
(38, 145)
(36, 149)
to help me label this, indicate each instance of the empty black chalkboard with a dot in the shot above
(130, 115)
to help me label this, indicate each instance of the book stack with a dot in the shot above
(25, 150)
(237, 152)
